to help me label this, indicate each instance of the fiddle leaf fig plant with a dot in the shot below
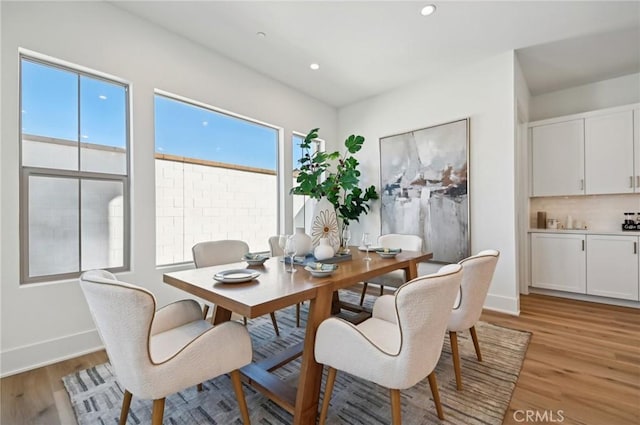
(341, 178)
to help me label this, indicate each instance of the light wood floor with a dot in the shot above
(583, 360)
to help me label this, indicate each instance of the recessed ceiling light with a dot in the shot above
(261, 34)
(428, 10)
(314, 66)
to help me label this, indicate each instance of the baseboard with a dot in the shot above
(584, 297)
(502, 304)
(28, 357)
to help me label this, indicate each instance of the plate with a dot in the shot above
(387, 254)
(236, 276)
(256, 261)
(371, 248)
(318, 273)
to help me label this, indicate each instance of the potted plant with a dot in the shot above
(335, 176)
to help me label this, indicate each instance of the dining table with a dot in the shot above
(276, 288)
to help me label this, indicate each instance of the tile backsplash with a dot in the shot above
(597, 212)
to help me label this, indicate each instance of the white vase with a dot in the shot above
(325, 224)
(324, 250)
(304, 244)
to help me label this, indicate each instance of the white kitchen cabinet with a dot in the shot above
(558, 261)
(612, 266)
(609, 153)
(636, 146)
(557, 159)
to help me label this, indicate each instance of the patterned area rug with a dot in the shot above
(96, 396)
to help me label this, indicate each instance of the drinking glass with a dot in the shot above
(290, 250)
(346, 236)
(282, 241)
(366, 242)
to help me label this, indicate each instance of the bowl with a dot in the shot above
(256, 260)
(318, 273)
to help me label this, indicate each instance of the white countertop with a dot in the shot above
(586, 232)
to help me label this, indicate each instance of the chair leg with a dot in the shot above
(244, 321)
(436, 395)
(298, 315)
(328, 389)
(126, 402)
(474, 337)
(275, 324)
(364, 291)
(205, 311)
(453, 337)
(381, 290)
(158, 412)
(396, 411)
(242, 403)
(200, 387)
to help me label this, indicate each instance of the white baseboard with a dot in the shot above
(27, 357)
(584, 297)
(502, 304)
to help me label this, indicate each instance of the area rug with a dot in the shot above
(96, 396)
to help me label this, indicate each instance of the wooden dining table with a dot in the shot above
(275, 289)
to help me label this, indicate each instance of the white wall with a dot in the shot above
(483, 91)
(42, 323)
(602, 94)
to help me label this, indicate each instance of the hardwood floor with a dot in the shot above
(582, 367)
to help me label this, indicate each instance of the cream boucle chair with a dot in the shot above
(214, 253)
(399, 345)
(157, 353)
(395, 278)
(476, 279)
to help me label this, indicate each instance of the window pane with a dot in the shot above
(302, 205)
(103, 132)
(102, 220)
(49, 116)
(53, 225)
(215, 179)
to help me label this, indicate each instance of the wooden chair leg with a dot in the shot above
(364, 291)
(396, 411)
(455, 354)
(474, 337)
(205, 311)
(158, 412)
(275, 324)
(328, 389)
(200, 387)
(298, 315)
(242, 403)
(126, 402)
(381, 290)
(436, 395)
(244, 321)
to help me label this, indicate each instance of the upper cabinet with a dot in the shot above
(596, 153)
(608, 149)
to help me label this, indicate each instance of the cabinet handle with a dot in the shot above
(637, 182)
(635, 247)
(631, 182)
(581, 184)
(583, 245)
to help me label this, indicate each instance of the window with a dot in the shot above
(74, 172)
(302, 205)
(215, 179)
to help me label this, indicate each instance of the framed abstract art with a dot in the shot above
(424, 184)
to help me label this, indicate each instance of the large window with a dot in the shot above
(215, 179)
(74, 172)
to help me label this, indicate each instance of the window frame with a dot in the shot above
(28, 171)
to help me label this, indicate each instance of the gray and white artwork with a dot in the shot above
(424, 188)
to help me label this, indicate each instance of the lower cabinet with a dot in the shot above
(602, 265)
(558, 261)
(612, 266)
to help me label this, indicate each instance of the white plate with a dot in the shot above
(236, 276)
(256, 261)
(387, 254)
(371, 248)
(318, 273)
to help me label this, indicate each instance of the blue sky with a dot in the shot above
(50, 109)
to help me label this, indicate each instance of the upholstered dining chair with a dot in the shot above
(395, 278)
(225, 251)
(399, 345)
(155, 353)
(277, 251)
(477, 274)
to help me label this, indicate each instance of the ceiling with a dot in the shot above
(368, 47)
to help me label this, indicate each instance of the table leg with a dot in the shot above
(411, 271)
(220, 315)
(308, 395)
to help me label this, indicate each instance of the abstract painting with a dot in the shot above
(424, 185)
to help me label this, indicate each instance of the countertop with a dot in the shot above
(587, 232)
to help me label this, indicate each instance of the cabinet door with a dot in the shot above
(636, 147)
(608, 150)
(557, 159)
(558, 262)
(612, 266)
